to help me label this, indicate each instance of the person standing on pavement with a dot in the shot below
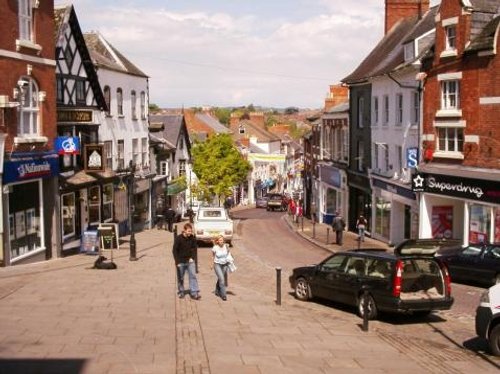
(169, 217)
(361, 226)
(338, 226)
(221, 258)
(184, 251)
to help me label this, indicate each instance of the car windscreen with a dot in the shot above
(212, 215)
(423, 247)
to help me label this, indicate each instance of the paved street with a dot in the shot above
(64, 317)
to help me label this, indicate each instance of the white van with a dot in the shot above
(488, 318)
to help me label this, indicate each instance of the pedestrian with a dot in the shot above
(291, 207)
(190, 214)
(313, 212)
(184, 251)
(222, 259)
(338, 226)
(169, 217)
(361, 226)
(298, 211)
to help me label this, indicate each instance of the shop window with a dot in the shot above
(25, 230)
(107, 203)
(382, 217)
(68, 214)
(479, 224)
(94, 203)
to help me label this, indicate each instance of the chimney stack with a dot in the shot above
(338, 94)
(396, 10)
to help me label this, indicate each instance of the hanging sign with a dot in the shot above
(94, 157)
(67, 145)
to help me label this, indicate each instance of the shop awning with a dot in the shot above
(175, 188)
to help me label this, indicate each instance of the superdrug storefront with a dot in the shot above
(456, 207)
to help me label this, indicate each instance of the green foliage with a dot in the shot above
(153, 108)
(271, 121)
(219, 167)
(223, 115)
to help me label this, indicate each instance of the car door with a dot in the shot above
(352, 279)
(324, 283)
(464, 264)
(489, 266)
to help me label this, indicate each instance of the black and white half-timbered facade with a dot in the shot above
(86, 185)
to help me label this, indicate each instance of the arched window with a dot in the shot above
(28, 110)
(133, 103)
(107, 99)
(119, 102)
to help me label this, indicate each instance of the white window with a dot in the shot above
(386, 156)
(399, 151)
(450, 94)
(345, 143)
(375, 110)
(386, 109)
(25, 20)
(164, 168)
(415, 109)
(133, 103)
(121, 154)
(451, 37)
(135, 151)
(182, 167)
(108, 150)
(361, 110)
(450, 139)
(144, 148)
(143, 105)
(119, 101)
(28, 113)
(399, 109)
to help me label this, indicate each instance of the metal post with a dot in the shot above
(302, 222)
(327, 235)
(133, 243)
(278, 285)
(314, 229)
(365, 311)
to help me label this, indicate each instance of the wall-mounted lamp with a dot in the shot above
(41, 96)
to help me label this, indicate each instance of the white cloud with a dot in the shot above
(218, 58)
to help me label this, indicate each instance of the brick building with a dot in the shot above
(27, 127)
(460, 173)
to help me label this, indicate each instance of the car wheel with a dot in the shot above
(495, 340)
(367, 299)
(268, 209)
(302, 289)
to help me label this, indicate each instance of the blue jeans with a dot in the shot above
(220, 286)
(193, 282)
(361, 234)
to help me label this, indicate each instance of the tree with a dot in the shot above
(223, 115)
(219, 166)
(153, 108)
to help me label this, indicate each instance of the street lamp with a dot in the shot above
(131, 211)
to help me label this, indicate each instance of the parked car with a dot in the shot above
(488, 318)
(211, 222)
(261, 202)
(474, 263)
(276, 201)
(377, 281)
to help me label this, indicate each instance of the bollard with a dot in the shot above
(278, 285)
(314, 230)
(365, 311)
(175, 231)
(327, 235)
(225, 278)
(302, 222)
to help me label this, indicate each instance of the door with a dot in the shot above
(325, 282)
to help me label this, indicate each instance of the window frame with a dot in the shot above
(458, 144)
(143, 105)
(144, 151)
(25, 19)
(108, 149)
(164, 168)
(120, 154)
(107, 98)
(386, 110)
(448, 95)
(119, 101)
(450, 33)
(361, 109)
(135, 151)
(29, 96)
(375, 110)
(399, 109)
(133, 104)
(415, 107)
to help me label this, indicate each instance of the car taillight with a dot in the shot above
(447, 279)
(396, 286)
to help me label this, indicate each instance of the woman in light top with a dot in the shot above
(222, 259)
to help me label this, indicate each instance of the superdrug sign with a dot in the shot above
(472, 189)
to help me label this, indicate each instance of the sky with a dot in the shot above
(272, 53)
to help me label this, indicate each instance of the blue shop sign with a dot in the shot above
(67, 145)
(28, 166)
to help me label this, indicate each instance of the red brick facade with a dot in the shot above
(479, 93)
(15, 62)
(396, 10)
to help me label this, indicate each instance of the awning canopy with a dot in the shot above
(175, 188)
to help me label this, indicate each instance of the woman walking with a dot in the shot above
(222, 259)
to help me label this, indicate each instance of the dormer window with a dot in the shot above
(409, 51)
(451, 38)
(241, 129)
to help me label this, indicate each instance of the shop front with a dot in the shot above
(456, 207)
(394, 212)
(333, 193)
(360, 200)
(29, 192)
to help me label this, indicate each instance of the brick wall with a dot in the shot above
(396, 10)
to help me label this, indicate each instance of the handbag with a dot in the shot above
(230, 263)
